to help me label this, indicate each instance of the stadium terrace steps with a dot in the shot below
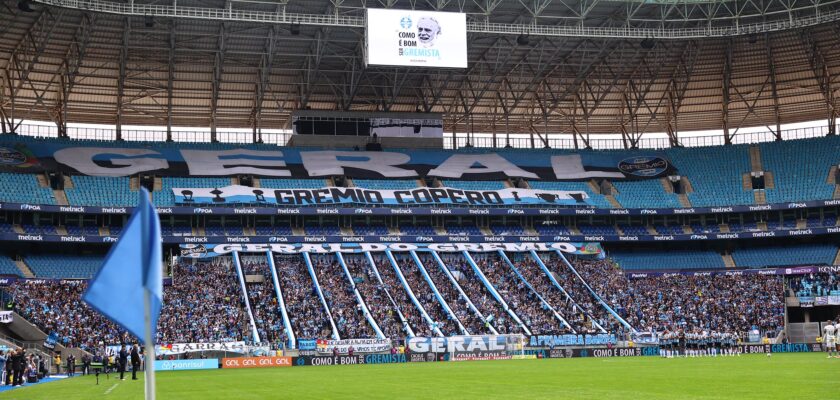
(42, 180)
(769, 180)
(60, 197)
(68, 183)
(134, 183)
(684, 201)
(801, 224)
(836, 258)
(724, 228)
(728, 261)
(255, 182)
(651, 230)
(18, 229)
(613, 202)
(760, 196)
(158, 185)
(762, 226)
(666, 185)
(24, 269)
(755, 158)
(61, 230)
(831, 173)
(687, 229)
(836, 193)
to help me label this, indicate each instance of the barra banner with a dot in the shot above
(414, 38)
(359, 346)
(215, 250)
(442, 196)
(98, 160)
(181, 348)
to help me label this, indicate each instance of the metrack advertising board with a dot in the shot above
(412, 38)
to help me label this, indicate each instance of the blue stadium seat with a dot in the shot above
(474, 185)
(548, 230)
(800, 168)
(715, 174)
(508, 230)
(418, 230)
(757, 257)
(24, 188)
(372, 230)
(644, 194)
(633, 229)
(464, 230)
(102, 191)
(671, 259)
(8, 267)
(277, 183)
(385, 184)
(669, 230)
(596, 229)
(63, 266)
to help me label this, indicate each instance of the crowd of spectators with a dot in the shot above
(56, 307)
(534, 314)
(814, 285)
(721, 303)
(204, 304)
(306, 313)
(583, 298)
(427, 297)
(346, 311)
(395, 288)
(376, 297)
(481, 296)
(563, 303)
(472, 322)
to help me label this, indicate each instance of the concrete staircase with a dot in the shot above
(68, 183)
(837, 258)
(298, 231)
(613, 202)
(724, 228)
(760, 196)
(666, 185)
(60, 197)
(651, 230)
(574, 230)
(346, 231)
(728, 261)
(769, 180)
(42, 180)
(684, 201)
(746, 182)
(256, 182)
(134, 183)
(801, 224)
(755, 159)
(249, 231)
(27, 273)
(762, 226)
(61, 230)
(618, 230)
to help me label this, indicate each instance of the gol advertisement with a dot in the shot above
(256, 362)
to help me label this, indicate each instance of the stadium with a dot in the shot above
(459, 199)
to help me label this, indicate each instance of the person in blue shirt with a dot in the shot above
(2, 367)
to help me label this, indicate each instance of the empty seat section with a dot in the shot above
(644, 194)
(24, 188)
(800, 168)
(474, 185)
(671, 259)
(715, 174)
(757, 257)
(102, 191)
(276, 183)
(385, 184)
(63, 266)
(8, 267)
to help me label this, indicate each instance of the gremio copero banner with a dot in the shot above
(215, 250)
(426, 196)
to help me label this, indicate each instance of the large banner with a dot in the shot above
(413, 38)
(359, 346)
(461, 348)
(97, 160)
(442, 196)
(5, 317)
(571, 340)
(215, 250)
(181, 348)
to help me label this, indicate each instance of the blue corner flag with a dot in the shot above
(132, 267)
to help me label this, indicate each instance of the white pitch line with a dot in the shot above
(111, 388)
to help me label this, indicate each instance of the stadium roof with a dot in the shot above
(537, 66)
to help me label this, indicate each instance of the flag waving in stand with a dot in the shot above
(128, 289)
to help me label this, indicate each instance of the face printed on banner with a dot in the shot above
(427, 30)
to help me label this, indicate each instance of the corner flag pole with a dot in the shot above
(150, 347)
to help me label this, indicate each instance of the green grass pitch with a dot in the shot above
(782, 376)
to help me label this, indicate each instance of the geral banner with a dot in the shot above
(5, 317)
(358, 345)
(256, 362)
(215, 250)
(442, 196)
(413, 38)
(296, 163)
(489, 344)
(180, 348)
